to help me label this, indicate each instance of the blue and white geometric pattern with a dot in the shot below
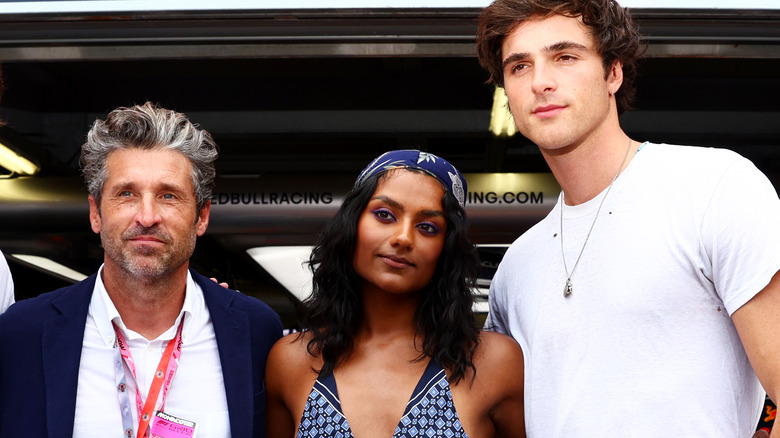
(322, 415)
(430, 412)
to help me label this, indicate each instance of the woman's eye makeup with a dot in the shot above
(428, 228)
(383, 214)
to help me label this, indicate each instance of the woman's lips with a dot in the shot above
(396, 262)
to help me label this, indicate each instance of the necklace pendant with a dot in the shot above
(567, 289)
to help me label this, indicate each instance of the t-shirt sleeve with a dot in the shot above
(741, 233)
(497, 306)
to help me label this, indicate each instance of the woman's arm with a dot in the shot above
(490, 403)
(500, 372)
(288, 379)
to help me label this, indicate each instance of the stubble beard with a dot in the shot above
(144, 262)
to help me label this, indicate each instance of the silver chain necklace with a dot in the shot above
(567, 290)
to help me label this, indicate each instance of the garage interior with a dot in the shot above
(314, 95)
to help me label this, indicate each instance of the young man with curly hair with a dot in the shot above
(644, 302)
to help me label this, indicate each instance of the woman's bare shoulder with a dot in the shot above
(293, 341)
(291, 354)
(499, 362)
(289, 375)
(497, 347)
(491, 403)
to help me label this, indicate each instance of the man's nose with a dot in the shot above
(148, 213)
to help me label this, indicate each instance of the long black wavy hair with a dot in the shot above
(444, 320)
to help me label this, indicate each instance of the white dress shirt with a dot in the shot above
(6, 285)
(197, 392)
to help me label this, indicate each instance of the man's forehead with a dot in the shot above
(540, 32)
(127, 152)
(124, 166)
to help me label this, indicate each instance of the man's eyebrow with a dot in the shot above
(552, 48)
(564, 45)
(514, 58)
(172, 187)
(120, 186)
(130, 185)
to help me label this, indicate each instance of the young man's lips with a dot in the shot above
(548, 110)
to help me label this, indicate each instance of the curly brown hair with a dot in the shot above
(615, 33)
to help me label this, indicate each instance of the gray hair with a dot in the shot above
(149, 127)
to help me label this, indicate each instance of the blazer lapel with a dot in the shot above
(231, 328)
(62, 339)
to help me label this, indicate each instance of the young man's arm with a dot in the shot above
(757, 322)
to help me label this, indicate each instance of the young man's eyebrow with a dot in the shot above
(552, 48)
(514, 58)
(564, 45)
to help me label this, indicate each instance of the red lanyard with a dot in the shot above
(166, 369)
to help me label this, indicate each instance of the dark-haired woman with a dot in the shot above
(391, 347)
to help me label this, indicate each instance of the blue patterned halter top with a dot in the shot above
(429, 413)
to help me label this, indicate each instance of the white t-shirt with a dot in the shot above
(197, 392)
(6, 285)
(644, 346)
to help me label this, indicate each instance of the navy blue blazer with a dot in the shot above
(40, 351)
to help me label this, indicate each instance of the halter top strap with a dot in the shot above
(429, 412)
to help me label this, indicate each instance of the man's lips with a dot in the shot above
(395, 261)
(548, 110)
(143, 235)
(146, 240)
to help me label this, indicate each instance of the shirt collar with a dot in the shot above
(104, 312)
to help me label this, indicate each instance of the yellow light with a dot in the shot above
(15, 162)
(501, 122)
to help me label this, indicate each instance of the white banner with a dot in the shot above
(215, 5)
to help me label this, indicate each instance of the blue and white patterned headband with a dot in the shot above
(433, 165)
